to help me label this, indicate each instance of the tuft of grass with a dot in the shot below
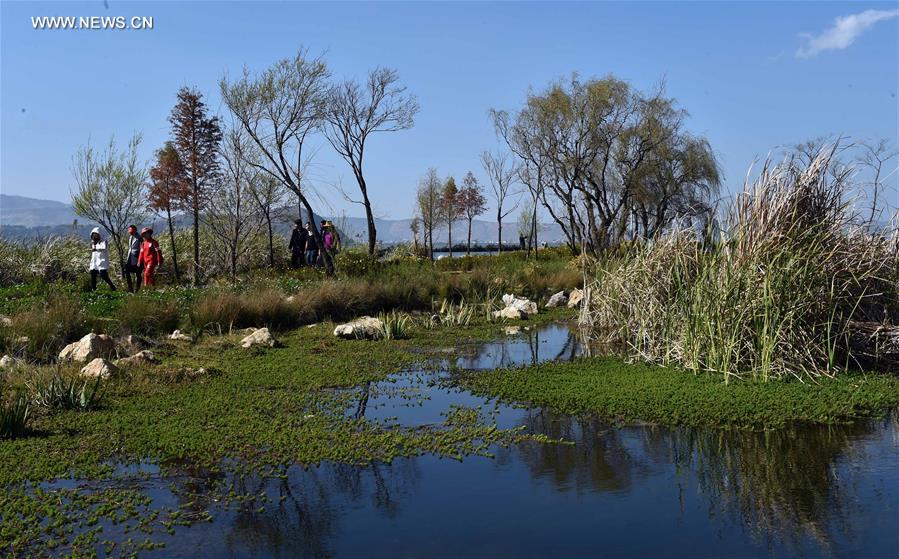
(40, 332)
(455, 315)
(14, 416)
(146, 316)
(64, 392)
(394, 326)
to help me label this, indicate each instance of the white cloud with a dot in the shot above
(844, 32)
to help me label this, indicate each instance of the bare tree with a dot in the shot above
(232, 216)
(473, 203)
(268, 192)
(110, 189)
(414, 228)
(502, 173)
(428, 200)
(875, 156)
(278, 108)
(354, 112)
(531, 174)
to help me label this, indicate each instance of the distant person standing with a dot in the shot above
(329, 237)
(99, 260)
(131, 263)
(297, 244)
(150, 256)
(311, 245)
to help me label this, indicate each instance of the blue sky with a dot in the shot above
(749, 78)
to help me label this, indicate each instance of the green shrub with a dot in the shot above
(356, 262)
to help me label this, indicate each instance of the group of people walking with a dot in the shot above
(304, 249)
(144, 257)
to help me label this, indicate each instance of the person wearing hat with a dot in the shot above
(150, 256)
(99, 265)
(297, 244)
(329, 236)
(131, 265)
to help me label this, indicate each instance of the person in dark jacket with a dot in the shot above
(297, 244)
(311, 246)
(131, 265)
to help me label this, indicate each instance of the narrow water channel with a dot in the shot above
(634, 491)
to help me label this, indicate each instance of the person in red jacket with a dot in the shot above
(150, 256)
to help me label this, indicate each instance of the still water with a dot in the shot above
(633, 491)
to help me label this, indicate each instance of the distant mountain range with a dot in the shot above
(24, 218)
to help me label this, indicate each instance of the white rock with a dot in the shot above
(5, 321)
(22, 340)
(99, 367)
(557, 300)
(144, 357)
(575, 299)
(510, 313)
(259, 337)
(526, 306)
(513, 330)
(89, 347)
(365, 327)
(180, 336)
(290, 299)
(8, 362)
(516, 307)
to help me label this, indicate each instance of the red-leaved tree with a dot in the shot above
(168, 189)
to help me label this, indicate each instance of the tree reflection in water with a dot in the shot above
(782, 485)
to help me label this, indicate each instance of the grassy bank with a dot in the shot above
(52, 314)
(641, 392)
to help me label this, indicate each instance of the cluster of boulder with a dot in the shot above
(516, 308)
(571, 300)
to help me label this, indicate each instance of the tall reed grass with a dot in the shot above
(779, 293)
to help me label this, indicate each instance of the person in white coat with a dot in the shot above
(99, 260)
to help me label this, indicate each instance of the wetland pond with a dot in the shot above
(612, 491)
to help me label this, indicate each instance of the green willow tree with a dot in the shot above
(610, 160)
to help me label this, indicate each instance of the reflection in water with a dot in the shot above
(636, 490)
